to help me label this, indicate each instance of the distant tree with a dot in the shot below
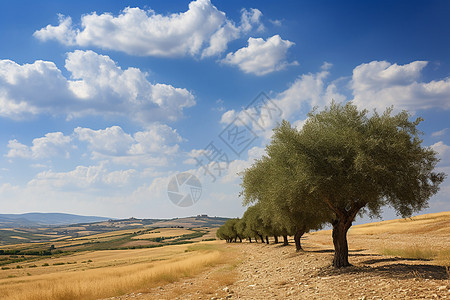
(228, 231)
(240, 229)
(350, 162)
(253, 221)
(221, 234)
(272, 182)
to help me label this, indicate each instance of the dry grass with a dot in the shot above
(420, 237)
(437, 223)
(163, 232)
(113, 280)
(411, 252)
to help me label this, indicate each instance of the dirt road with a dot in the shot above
(278, 272)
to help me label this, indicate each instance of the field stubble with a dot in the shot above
(130, 271)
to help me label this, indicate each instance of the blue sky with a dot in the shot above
(103, 102)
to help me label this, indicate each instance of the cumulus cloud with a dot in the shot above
(380, 84)
(307, 91)
(83, 177)
(261, 57)
(52, 144)
(443, 150)
(97, 86)
(110, 141)
(64, 32)
(201, 30)
(373, 85)
(33, 88)
(17, 149)
(152, 146)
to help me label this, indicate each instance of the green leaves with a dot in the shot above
(343, 158)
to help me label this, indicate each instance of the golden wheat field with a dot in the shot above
(107, 273)
(163, 232)
(102, 274)
(425, 237)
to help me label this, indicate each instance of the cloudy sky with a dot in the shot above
(102, 103)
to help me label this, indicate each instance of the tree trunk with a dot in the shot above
(297, 236)
(340, 228)
(250, 239)
(235, 239)
(240, 239)
(276, 239)
(267, 240)
(285, 240)
(262, 238)
(343, 222)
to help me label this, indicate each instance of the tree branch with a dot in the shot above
(334, 209)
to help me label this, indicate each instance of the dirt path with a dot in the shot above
(277, 272)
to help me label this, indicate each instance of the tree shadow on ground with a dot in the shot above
(350, 252)
(388, 259)
(321, 251)
(397, 271)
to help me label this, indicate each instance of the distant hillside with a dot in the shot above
(44, 219)
(60, 219)
(44, 228)
(192, 222)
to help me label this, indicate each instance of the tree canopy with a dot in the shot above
(342, 162)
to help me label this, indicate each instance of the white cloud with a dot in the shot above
(83, 177)
(261, 57)
(443, 150)
(17, 149)
(202, 29)
(439, 133)
(156, 139)
(380, 84)
(97, 87)
(110, 141)
(194, 153)
(31, 88)
(116, 90)
(150, 147)
(52, 144)
(64, 32)
(251, 19)
(277, 23)
(371, 84)
(307, 91)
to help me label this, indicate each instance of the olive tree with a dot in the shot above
(350, 162)
(272, 182)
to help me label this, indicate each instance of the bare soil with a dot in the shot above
(279, 272)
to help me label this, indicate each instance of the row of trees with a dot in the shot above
(341, 163)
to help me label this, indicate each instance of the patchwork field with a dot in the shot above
(396, 259)
(98, 274)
